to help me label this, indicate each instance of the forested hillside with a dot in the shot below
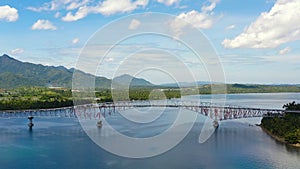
(287, 127)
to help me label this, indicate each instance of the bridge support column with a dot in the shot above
(216, 124)
(99, 124)
(30, 124)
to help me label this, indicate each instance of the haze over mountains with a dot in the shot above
(14, 73)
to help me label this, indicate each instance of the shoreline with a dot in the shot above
(279, 139)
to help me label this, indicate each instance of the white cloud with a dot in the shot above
(201, 20)
(197, 19)
(284, 51)
(210, 7)
(43, 25)
(81, 13)
(230, 27)
(48, 6)
(134, 24)
(107, 7)
(271, 29)
(57, 15)
(168, 2)
(60, 4)
(75, 40)
(17, 51)
(76, 4)
(84, 7)
(8, 13)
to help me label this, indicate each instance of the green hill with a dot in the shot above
(14, 73)
(136, 82)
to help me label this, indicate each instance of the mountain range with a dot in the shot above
(14, 73)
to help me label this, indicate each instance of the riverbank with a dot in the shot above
(282, 140)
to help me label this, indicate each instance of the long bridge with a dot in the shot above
(102, 110)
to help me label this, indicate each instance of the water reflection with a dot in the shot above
(291, 149)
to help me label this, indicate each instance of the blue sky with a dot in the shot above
(256, 41)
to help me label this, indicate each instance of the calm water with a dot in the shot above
(61, 143)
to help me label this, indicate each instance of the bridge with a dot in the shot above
(102, 110)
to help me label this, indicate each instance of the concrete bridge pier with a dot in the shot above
(30, 124)
(99, 124)
(216, 124)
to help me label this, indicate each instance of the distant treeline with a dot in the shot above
(42, 98)
(34, 98)
(250, 88)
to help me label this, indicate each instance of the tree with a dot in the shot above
(287, 127)
(292, 106)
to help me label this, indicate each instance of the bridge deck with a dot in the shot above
(97, 111)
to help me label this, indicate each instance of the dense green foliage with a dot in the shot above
(287, 127)
(292, 106)
(34, 98)
(41, 97)
(137, 93)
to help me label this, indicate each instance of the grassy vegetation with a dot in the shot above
(287, 127)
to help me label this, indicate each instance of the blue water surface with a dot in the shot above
(61, 143)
